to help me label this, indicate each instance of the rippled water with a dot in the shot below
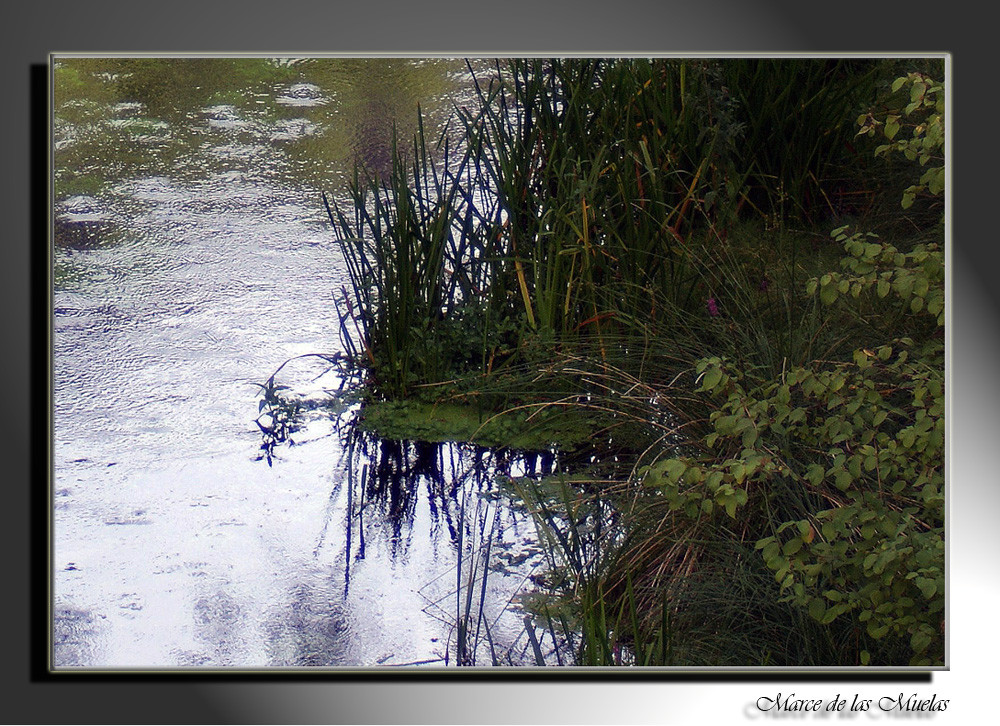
(192, 258)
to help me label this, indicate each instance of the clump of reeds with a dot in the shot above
(567, 204)
(560, 216)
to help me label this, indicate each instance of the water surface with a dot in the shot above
(192, 257)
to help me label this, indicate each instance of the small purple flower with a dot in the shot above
(713, 309)
(764, 284)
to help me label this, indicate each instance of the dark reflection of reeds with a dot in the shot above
(473, 529)
(387, 477)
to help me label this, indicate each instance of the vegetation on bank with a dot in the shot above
(731, 273)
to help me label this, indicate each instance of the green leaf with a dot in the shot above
(815, 474)
(674, 468)
(830, 531)
(877, 632)
(830, 615)
(828, 294)
(903, 285)
(920, 641)
(725, 424)
(792, 546)
(935, 180)
(817, 609)
(762, 543)
(711, 379)
(738, 470)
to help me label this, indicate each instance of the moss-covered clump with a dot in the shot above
(529, 428)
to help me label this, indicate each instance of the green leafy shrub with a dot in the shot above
(844, 460)
(923, 116)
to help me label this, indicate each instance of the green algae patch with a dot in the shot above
(531, 428)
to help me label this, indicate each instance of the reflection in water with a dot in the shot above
(76, 636)
(389, 476)
(434, 512)
(372, 142)
(309, 119)
(217, 620)
(310, 630)
(78, 234)
(429, 554)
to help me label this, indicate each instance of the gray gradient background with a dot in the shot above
(514, 27)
